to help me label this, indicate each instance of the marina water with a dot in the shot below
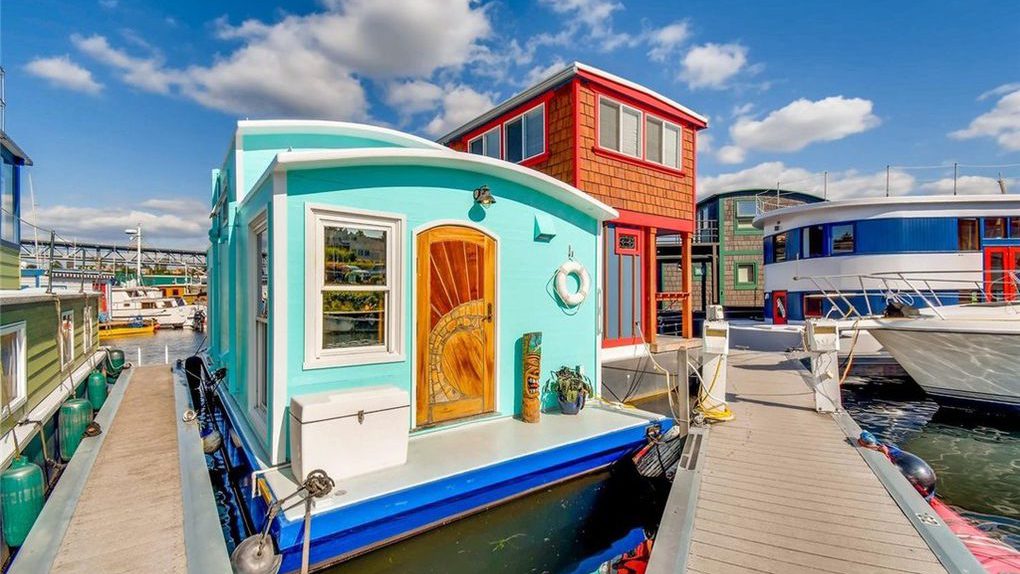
(573, 526)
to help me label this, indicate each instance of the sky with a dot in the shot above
(126, 105)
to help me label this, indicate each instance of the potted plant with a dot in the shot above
(571, 388)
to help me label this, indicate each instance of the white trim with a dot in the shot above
(662, 142)
(259, 417)
(524, 137)
(263, 127)
(497, 403)
(21, 385)
(481, 136)
(548, 185)
(64, 359)
(316, 216)
(599, 307)
(278, 317)
(622, 353)
(89, 332)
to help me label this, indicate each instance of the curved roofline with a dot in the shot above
(259, 127)
(443, 157)
(890, 202)
(759, 191)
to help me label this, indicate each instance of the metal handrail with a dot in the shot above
(921, 287)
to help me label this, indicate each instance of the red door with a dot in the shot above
(1002, 266)
(779, 307)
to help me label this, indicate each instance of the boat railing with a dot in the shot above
(904, 286)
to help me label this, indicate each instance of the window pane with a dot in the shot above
(842, 238)
(492, 143)
(630, 133)
(67, 335)
(353, 319)
(9, 366)
(967, 231)
(8, 222)
(609, 128)
(1014, 227)
(514, 140)
(653, 140)
(262, 272)
(671, 147)
(475, 146)
(745, 273)
(813, 238)
(995, 227)
(779, 250)
(354, 256)
(746, 209)
(534, 132)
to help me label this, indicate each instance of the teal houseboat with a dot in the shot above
(369, 292)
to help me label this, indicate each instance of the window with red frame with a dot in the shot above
(628, 242)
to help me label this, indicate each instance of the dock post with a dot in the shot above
(822, 338)
(166, 354)
(139, 356)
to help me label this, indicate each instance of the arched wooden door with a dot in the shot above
(456, 348)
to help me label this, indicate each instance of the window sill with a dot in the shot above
(612, 154)
(351, 360)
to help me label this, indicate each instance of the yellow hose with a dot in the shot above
(717, 413)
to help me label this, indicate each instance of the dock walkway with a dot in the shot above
(122, 504)
(783, 490)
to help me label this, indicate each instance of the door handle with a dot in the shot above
(488, 312)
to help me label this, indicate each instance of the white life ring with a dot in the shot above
(572, 299)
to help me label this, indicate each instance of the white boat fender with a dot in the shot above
(211, 441)
(571, 267)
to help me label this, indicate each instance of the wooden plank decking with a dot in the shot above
(783, 490)
(130, 515)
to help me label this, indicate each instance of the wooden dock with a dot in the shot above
(782, 489)
(123, 504)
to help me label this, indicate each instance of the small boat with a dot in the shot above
(148, 302)
(114, 329)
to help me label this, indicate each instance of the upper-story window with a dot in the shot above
(745, 209)
(779, 247)
(9, 225)
(968, 233)
(995, 228)
(523, 137)
(662, 142)
(486, 144)
(813, 241)
(842, 238)
(619, 127)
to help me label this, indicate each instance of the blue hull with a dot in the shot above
(345, 532)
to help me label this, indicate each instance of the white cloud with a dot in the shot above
(594, 18)
(109, 4)
(711, 65)
(664, 41)
(60, 71)
(144, 73)
(731, 154)
(182, 227)
(968, 185)
(1000, 91)
(705, 142)
(460, 105)
(1001, 123)
(413, 96)
(804, 122)
(539, 73)
(841, 185)
(313, 65)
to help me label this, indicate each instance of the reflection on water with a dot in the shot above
(177, 343)
(976, 457)
(567, 528)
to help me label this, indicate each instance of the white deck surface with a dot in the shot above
(448, 452)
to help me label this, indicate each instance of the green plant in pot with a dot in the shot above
(571, 388)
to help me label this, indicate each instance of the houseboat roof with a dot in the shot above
(559, 78)
(12, 147)
(806, 196)
(351, 129)
(905, 206)
(441, 157)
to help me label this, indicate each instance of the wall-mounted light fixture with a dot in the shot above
(484, 197)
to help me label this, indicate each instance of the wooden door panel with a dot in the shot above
(456, 351)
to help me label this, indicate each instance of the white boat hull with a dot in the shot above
(954, 360)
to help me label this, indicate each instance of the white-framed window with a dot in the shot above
(525, 135)
(619, 127)
(258, 395)
(486, 144)
(746, 210)
(13, 367)
(66, 338)
(662, 142)
(354, 300)
(89, 326)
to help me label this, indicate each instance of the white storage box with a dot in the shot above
(347, 433)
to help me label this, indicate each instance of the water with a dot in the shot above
(181, 343)
(975, 456)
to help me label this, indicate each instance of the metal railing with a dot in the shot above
(706, 231)
(767, 201)
(904, 286)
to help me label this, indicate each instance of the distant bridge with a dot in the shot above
(111, 257)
